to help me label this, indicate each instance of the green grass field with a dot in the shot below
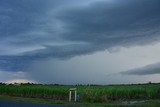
(87, 93)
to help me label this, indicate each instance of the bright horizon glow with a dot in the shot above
(19, 81)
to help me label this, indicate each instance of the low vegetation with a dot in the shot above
(87, 93)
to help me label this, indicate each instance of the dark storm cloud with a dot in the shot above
(97, 26)
(146, 70)
(14, 63)
(119, 23)
(20, 62)
(18, 16)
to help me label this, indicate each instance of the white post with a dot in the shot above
(70, 95)
(75, 99)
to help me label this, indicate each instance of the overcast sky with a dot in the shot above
(80, 41)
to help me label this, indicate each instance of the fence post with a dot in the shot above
(75, 99)
(70, 95)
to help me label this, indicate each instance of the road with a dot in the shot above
(4, 103)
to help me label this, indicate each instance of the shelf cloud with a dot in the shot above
(146, 70)
(37, 30)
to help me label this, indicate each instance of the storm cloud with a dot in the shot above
(37, 30)
(146, 70)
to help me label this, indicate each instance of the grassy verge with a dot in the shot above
(47, 101)
(31, 100)
(149, 103)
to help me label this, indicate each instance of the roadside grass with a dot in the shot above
(149, 103)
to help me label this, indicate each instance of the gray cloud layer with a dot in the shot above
(146, 70)
(78, 29)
